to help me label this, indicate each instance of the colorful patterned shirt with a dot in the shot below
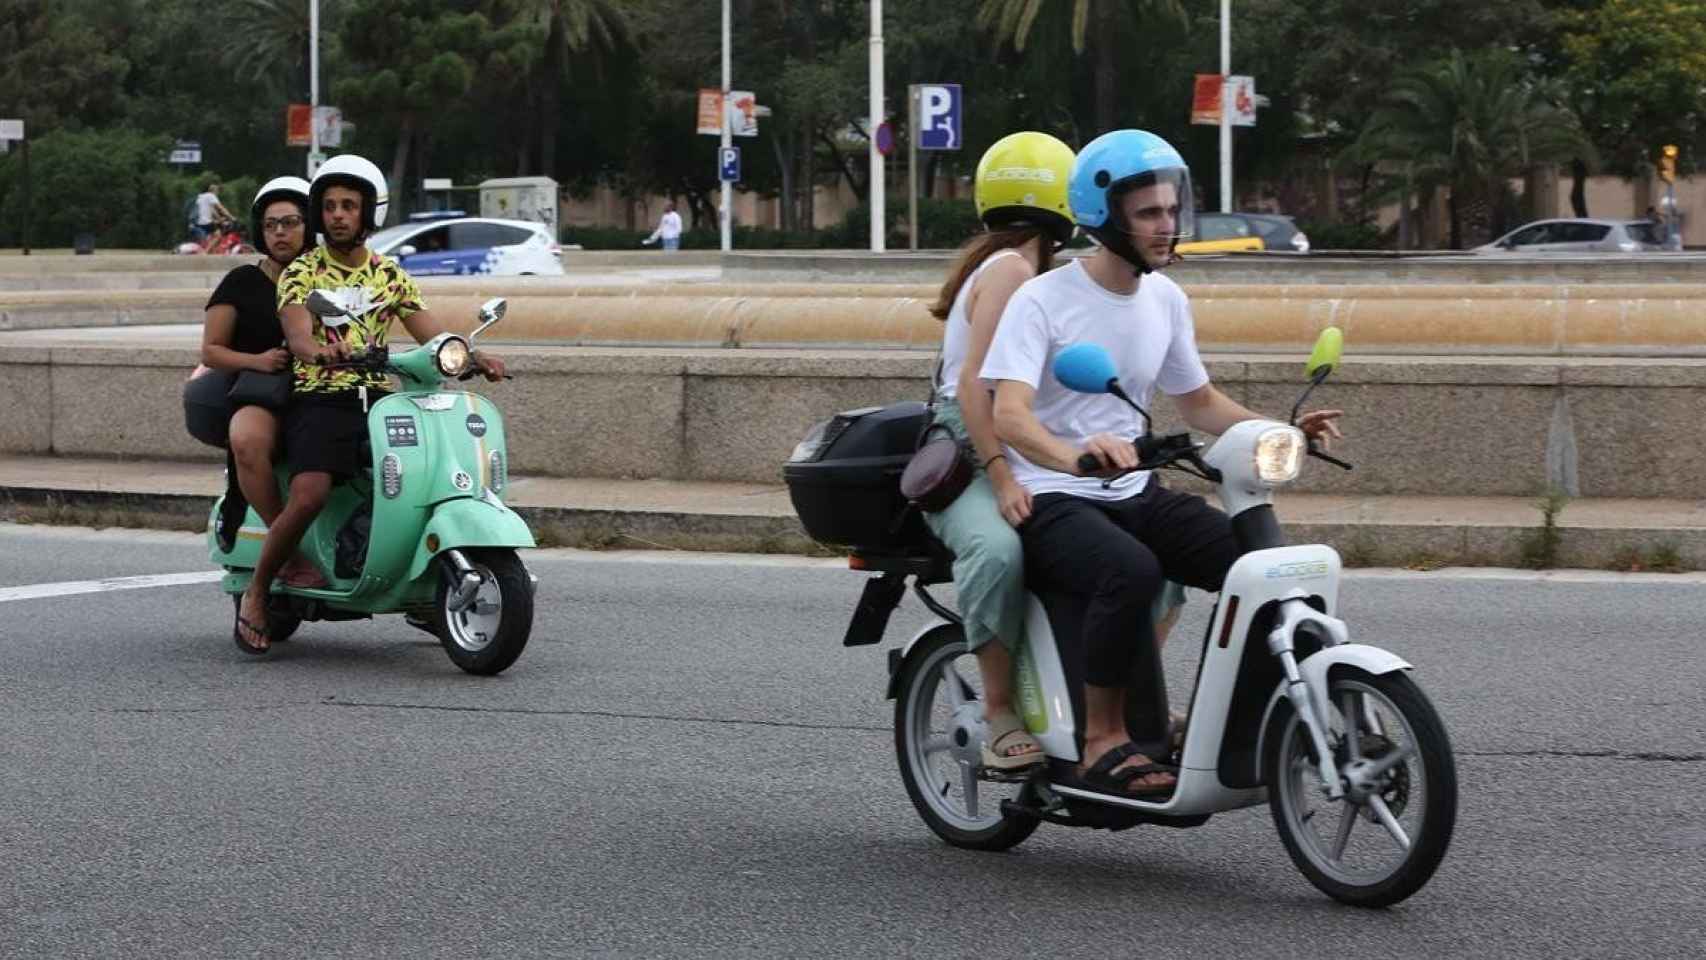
(378, 293)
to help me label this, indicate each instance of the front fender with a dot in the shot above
(1315, 669)
(467, 522)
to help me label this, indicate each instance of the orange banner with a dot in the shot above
(1205, 103)
(298, 125)
(710, 112)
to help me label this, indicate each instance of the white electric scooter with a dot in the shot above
(1332, 734)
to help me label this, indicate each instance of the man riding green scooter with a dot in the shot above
(326, 424)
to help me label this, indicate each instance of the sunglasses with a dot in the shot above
(281, 223)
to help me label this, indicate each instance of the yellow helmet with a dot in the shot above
(1022, 179)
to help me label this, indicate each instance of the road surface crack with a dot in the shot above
(610, 714)
(1644, 756)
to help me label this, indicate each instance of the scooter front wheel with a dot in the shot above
(488, 631)
(938, 735)
(1383, 841)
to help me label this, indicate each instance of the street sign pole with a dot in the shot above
(27, 209)
(725, 215)
(313, 91)
(1225, 106)
(878, 243)
(912, 166)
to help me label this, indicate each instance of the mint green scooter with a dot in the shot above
(424, 531)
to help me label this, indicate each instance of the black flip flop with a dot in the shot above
(244, 645)
(1102, 778)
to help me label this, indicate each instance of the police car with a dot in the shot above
(451, 244)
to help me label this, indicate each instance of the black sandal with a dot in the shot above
(1102, 778)
(244, 645)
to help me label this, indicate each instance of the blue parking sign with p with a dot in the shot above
(939, 116)
(728, 164)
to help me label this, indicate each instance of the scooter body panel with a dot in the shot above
(445, 451)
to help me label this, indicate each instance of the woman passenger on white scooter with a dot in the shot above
(242, 332)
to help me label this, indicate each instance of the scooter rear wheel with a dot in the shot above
(489, 633)
(938, 733)
(1383, 842)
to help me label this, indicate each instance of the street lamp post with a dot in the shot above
(725, 214)
(313, 87)
(876, 191)
(1225, 106)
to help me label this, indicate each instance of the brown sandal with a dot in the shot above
(1005, 733)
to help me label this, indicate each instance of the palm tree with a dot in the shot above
(571, 27)
(1467, 124)
(1011, 22)
(268, 39)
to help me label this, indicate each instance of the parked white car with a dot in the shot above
(453, 245)
(1578, 236)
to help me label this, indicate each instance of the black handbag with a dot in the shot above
(942, 468)
(207, 411)
(939, 472)
(254, 388)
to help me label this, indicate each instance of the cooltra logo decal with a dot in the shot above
(462, 481)
(476, 425)
(1030, 174)
(1298, 570)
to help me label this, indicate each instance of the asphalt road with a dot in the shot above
(686, 763)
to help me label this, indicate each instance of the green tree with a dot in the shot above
(1468, 123)
(58, 68)
(1097, 24)
(573, 30)
(1636, 71)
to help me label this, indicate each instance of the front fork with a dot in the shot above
(1293, 612)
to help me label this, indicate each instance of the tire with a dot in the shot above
(486, 636)
(281, 623)
(925, 737)
(1420, 792)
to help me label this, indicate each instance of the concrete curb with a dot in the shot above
(1364, 544)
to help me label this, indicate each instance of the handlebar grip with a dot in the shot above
(1088, 463)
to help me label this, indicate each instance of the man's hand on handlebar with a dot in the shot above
(492, 368)
(1319, 426)
(1114, 455)
(326, 354)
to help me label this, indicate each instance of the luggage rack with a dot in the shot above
(935, 566)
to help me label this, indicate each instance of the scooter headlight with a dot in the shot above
(1279, 454)
(453, 357)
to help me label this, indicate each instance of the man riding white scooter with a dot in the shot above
(1113, 544)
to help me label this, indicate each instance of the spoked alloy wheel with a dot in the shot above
(938, 736)
(1383, 841)
(486, 634)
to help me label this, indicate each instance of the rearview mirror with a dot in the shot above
(490, 312)
(1329, 347)
(1086, 368)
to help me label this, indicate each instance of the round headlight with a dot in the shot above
(1279, 454)
(453, 357)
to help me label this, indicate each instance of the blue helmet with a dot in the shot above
(1118, 161)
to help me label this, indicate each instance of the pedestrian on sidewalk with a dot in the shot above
(669, 229)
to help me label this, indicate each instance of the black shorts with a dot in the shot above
(327, 433)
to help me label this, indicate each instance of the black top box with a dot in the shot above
(844, 479)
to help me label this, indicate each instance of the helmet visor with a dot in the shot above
(1157, 208)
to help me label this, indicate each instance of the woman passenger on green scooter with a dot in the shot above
(242, 332)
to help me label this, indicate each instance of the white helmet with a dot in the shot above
(349, 170)
(294, 189)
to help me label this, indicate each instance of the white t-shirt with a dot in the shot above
(669, 225)
(1150, 336)
(205, 204)
(956, 337)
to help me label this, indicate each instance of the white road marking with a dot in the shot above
(37, 591)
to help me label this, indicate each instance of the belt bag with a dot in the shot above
(939, 472)
(270, 390)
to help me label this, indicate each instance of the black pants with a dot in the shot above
(1108, 560)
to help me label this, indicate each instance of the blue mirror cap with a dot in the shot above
(1085, 367)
